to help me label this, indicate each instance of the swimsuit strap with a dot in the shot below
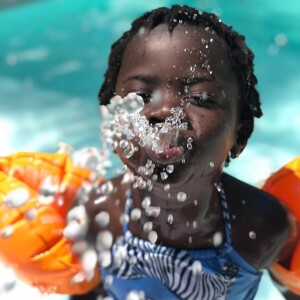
(226, 216)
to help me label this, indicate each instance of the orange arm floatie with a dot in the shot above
(31, 225)
(285, 185)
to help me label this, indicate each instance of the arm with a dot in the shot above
(36, 192)
(285, 185)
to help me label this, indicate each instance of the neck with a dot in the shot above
(191, 221)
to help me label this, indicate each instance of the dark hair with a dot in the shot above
(241, 55)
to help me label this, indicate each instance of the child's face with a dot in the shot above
(190, 69)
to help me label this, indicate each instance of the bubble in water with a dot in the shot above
(135, 214)
(17, 197)
(196, 202)
(190, 239)
(170, 168)
(217, 239)
(102, 219)
(196, 267)
(194, 224)
(189, 146)
(152, 236)
(252, 235)
(170, 219)
(181, 196)
(211, 164)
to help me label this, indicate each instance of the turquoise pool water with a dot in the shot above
(53, 55)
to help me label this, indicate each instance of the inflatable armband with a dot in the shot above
(36, 192)
(285, 185)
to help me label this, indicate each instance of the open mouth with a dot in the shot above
(172, 155)
(168, 148)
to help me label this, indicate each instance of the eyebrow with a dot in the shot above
(148, 79)
(191, 80)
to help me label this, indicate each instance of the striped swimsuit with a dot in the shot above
(152, 271)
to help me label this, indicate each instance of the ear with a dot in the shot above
(243, 132)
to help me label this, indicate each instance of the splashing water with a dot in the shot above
(122, 123)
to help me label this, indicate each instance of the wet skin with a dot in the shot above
(183, 69)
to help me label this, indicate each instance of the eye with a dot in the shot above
(202, 100)
(147, 97)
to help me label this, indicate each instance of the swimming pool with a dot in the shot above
(54, 53)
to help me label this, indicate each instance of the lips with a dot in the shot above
(171, 155)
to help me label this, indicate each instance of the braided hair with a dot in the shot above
(241, 57)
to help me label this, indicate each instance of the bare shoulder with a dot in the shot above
(259, 222)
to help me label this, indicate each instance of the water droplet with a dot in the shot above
(218, 187)
(104, 240)
(17, 197)
(135, 295)
(124, 219)
(217, 239)
(243, 202)
(102, 219)
(196, 267)
(170, 168)
(163, 175)
(190, 239)
(167, 187)
(193, 68)
(141, 30)
(31, 214)
(147, 227)
(189, 146)
(152, 211)
(194, 224)
(170, 219)
(152, 236)
(107, 188)
(196, 202)
(252, 235)
(181, 196)
(146, 202)
(88, 261)
(7, 232)
(135, 214)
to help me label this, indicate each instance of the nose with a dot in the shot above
(157, 111)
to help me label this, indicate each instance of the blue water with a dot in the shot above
(53, 55)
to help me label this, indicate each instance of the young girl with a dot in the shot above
(175, 226)
(196, 233)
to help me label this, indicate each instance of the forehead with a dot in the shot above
(185, 48)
